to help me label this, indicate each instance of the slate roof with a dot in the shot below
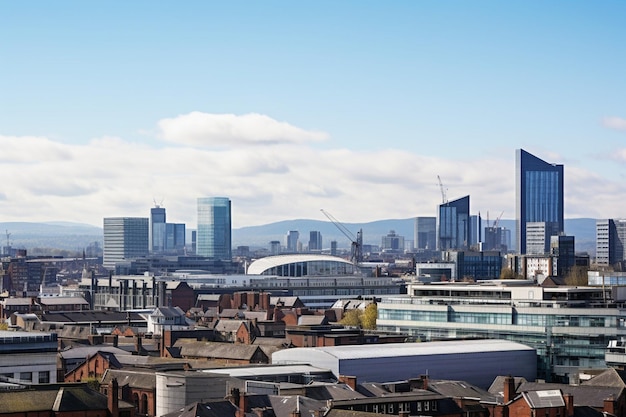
(325, 392)
(352, 413)
(311, 320)
(215, 350)
(497, 386)
(459, 389)
(544, 399)
(207, 409)
(583, 394)
(145, 379)
(283, 406)
(54, 397)
(229, 326)
(609, 378)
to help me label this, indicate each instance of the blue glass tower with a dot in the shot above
(214, 228)
(453, 228)
(539, 194)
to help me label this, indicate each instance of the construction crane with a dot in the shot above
(497, 220)
(356, 253)
(444, 199)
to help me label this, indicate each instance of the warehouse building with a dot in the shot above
(478, 362)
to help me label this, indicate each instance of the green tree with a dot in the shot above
(369, 316)
(352, 318)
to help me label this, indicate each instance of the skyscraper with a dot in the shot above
(124, 238)
(214, 228)
(315, 241)
(426, 233)
(453, 228)
(292, 241)
(610, 241)
(539, 194)
(157, 229)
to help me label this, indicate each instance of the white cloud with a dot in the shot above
(614, 122)
(223, 130)
(45, 180)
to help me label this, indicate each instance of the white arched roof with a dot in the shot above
(261, 265)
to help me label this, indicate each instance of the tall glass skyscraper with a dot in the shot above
(214, 228)
(157, 229)
(539, 194)
(453, 227)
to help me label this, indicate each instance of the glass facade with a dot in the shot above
(539, 194)
(157, 229)
(453, 228)
(214, 228)
(562, 325)
(125, 238)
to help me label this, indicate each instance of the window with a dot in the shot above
(26, 376)
(44, 377)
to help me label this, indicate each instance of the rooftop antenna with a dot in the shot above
(157, 204)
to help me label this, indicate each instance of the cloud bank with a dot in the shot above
(614, 122)
(271, 174)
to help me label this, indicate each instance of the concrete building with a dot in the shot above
(539, 194)
(214, 233)
(610, 241)
(125, 238)
(568, 326)
(538, 237)
(28, 357)
(478, 362)
(392, 242)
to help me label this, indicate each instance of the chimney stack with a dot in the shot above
(509, 388)
(113, 398)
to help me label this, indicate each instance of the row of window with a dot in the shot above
(500, 318)
(43, 376)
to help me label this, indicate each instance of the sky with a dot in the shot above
(354, 107)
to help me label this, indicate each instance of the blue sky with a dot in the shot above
(289, 107)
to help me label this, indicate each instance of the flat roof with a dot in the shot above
(412, 349)
(241, 372)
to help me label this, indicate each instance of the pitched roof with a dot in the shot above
(145, 379)
(458, 389)
(222, 408)
(53, 397)
(583, 394)
(609, 378)
(216, 350)
(229, 325)
(544, 399)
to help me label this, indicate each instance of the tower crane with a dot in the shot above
(356, 253)
(444, 199)
(497, 220)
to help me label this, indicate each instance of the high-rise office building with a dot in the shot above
(315, 241)
(453, 224)
(392, 242)
(539, 194)
(292, 241)
(564, 255)
(125, 238)
(214, 228)
(610, 241)
(538, 237)
(157, 229)
(425, 233)
(475, 230)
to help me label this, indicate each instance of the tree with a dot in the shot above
(508, 273)
(577, 276)
(352, 318)
(369, 316)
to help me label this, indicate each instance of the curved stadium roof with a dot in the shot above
(261, 265)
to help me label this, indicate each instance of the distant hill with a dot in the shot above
(77, 236)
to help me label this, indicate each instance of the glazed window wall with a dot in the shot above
(565, 320)
(435, 316)
(480, 318)
(311, 268)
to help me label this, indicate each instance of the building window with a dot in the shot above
(44, 377)
(26, 376)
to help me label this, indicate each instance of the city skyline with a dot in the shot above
(288, 108)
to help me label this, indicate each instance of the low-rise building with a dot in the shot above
(28, 357)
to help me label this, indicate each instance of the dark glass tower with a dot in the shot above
(539, 194)
(453, 228)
